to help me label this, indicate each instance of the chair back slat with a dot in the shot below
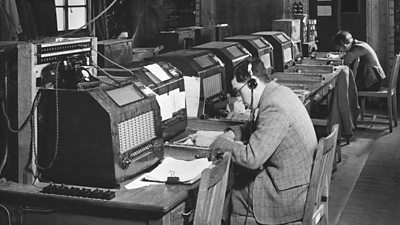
(394, 75)
(320, 179)
(212, 190)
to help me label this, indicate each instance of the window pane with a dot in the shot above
(59, 2)
(76, 17)
(60, 19)
(76, 2)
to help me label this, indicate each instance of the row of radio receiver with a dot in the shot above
(112, 129)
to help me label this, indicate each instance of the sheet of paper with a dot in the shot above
(139, 182)
(187, 171)
(178, 99)
(158, 71)
(192, 89)
(166, 108)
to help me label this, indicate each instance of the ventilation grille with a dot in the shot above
(136, 131)
(212, 85)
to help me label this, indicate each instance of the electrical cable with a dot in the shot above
(7, 212)
(33, 126)
(30, 118)
(107, 75)
(252, 112)
(51, 39)
(111, 61)
(109, 84)
(25, 121)
(4, 161)
(89, 22)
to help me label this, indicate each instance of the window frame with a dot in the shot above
(66, 7)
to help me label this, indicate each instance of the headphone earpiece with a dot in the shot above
(252, 83)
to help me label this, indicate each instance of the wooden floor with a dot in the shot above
(366, 188)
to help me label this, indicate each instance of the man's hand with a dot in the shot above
(216, 146)
(239, 116)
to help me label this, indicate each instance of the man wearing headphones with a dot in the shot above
(272, 153)
(369, 73)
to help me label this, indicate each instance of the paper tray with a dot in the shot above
(186, 152)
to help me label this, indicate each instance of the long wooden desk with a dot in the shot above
(157, 204)
(319, 81)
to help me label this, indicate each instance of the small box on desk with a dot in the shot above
(201, 34)
(222, 31)
(117, 50)
(177, 39)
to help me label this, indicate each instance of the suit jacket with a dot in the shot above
(281, 148)
(369, 69)
(344, 105)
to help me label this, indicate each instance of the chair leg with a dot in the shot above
(390, 113)
(335, 161)
(394, 100)
(339, 152)
(325, 219)
(362, 109)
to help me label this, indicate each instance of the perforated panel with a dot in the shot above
(212, 85)
(136, 131)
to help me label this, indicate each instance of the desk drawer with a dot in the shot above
(39, 215)
(178, 216)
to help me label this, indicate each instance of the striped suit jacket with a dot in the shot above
(281, 148)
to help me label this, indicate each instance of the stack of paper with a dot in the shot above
(187, 171)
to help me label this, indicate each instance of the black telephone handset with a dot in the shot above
(72, 72)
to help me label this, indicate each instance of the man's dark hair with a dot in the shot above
(257, 66)
(341, 38)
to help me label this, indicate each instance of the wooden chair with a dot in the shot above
(316, 208)
(389, 93)
(212, 190)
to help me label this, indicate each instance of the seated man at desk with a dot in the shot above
(272, 153)
(369, 73)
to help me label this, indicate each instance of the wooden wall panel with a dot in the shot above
(378, 30)
(205, 11)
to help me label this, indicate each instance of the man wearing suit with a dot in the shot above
(272, 153)
(369, 74)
